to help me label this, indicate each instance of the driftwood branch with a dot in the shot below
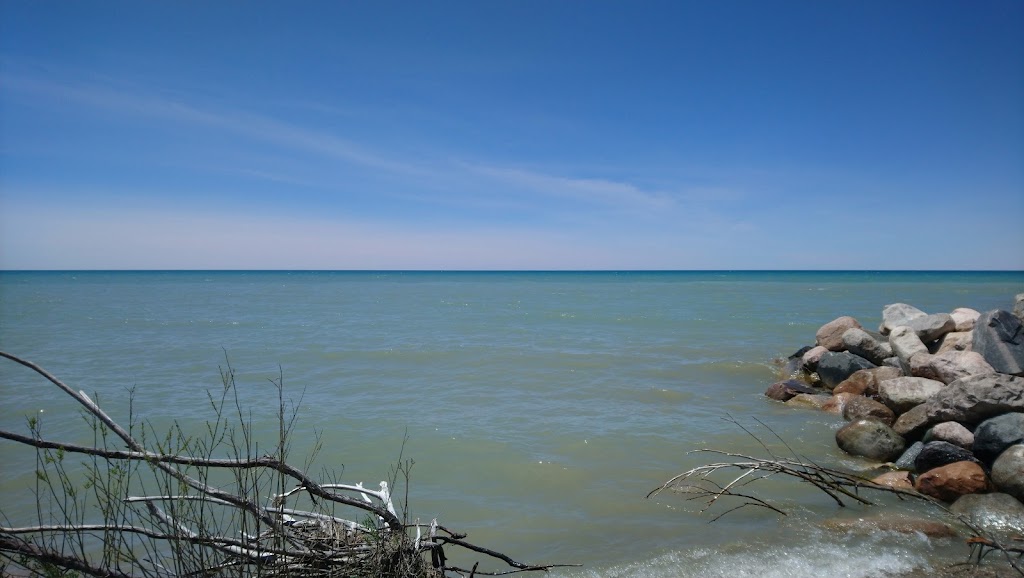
(699, 484)
(191, 527)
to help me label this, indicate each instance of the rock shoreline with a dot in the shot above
(937, 398)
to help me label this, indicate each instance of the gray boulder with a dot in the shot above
(995, 434)
(835, 367)
(999, 338)
(830, 335)
(898, 314)
(905, 344)
(913, 424)
(931, 327)
(937, 454)
(871, 439)
(949, 366)
(952, 432)
(903, 393)
(1008, 471)
(861, 407)
(860, 342)
(964, 318)
(995, 512)
(1018, 306)
(975, 398)
(906, 461)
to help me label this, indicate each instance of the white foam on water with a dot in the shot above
(884, 554)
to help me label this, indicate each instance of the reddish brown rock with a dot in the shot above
(830, 335)
(837, 403)
(786, 390)
(813, 356)
(899, 480)
(949, 482)
(865, 382)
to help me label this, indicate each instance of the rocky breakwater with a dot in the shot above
(938, 397)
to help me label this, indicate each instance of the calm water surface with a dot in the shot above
(540, 408)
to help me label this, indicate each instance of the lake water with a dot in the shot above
(539, 408)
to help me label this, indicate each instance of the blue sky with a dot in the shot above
(512, 135)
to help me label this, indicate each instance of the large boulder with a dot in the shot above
(937, 454)
(995, 434)
(1008, 471)
(786, 390)
(949, 482)
(871, 439)
(905, 344)
(903, 393)
(865, 381)
(955, 341)
(964, 318)
(835, 367)
(952, 432)
(862, 407)
(995, 512)
(898, 314)
(949, 366)
(931, 327)
(1018, 306)
(830, 335)
(970, 401)
(999, 338)
(860, 342)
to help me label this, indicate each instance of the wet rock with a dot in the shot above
(964, 318)
(859, 342)
(899, 480)
(812, 357)
(837, 403)
(861, 407)
(810, 400)
(949, 366)
(1008, 471)
(786, 390)
(931, 327)
(995, 512)
(905, 344)
(884, 522)
(999, 338)
(898, 314)
(955, 341)
(937, 454)
(913, 423)
(865, 381)
(830, 335)
(949, 482)
(903, 393)
(952, 432)
(906, 461)
(995, 434)
(975, 398)
(834, 367)
(870, 439)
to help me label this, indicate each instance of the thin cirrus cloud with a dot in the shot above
(267, 130)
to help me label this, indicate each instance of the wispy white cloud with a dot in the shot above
(586, 189)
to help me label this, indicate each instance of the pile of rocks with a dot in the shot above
(939, 397)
